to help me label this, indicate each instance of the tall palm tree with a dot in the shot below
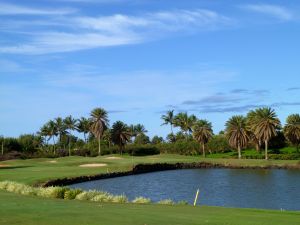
(292, 129)
(70, 124)
(99, 123)
(61, 129)
(202, 132)
(237, 133)
(185, 122)
(83, 126)
(140, 129)
(120, 134)
(265, 125)
(168, 118)
(52, 132)
(251, 121)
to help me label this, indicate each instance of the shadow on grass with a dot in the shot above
(13, 167)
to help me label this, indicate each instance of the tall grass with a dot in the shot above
(70, 194)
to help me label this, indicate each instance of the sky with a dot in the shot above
(140, 58)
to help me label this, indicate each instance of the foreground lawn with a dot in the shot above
(33, 171)
(18, 209)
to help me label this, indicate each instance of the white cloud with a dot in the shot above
(10, 9)
(279, 12)
(119, 29)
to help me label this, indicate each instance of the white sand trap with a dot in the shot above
(2, 165)
(52, 161)
(113, 157)
(93, 165)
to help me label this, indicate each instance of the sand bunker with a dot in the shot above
(2, 165)
(93, 165)
(113, 157)
(52, 161)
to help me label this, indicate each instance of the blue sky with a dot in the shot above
(139, 58)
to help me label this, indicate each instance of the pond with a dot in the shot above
(245, 188)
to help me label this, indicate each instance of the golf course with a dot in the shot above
(21, 209)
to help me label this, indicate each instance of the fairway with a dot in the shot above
(17, 209)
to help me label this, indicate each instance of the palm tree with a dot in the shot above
(168, 118)
(83, 126)
(251, 121)
(264, 125)
(99, 123)
(107, 137)
(70, 124)
(52, 132)
(140, 129)
(292, 129)
(202, 132)
(120, 134)
(237, 133)
(61, 129)
(185, 122)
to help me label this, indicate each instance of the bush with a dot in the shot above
(182, 203)
(120, 199)
(72, 193)
(103, 197)
(166, 202)
(219, 144)
(52, 192)
(141, 150)
(141, 200)
(88, 195)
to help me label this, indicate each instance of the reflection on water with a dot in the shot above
(270, 189)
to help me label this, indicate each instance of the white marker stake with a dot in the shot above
(196, 198)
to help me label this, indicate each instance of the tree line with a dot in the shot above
(258, 127)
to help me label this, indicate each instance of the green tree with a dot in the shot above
(292, 130)
(61, 130)
(237, 133)
(265, 125)
(120, 134)
(83, 126)
(251, 123)
(70, 125)
(168, 118)
(202, 133)
(52, 132)
(99, 123)
(185, 122)
(157, 140)
(142, 139)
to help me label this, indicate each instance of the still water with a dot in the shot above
(269, 189)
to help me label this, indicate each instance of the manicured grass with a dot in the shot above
(32, 171)
(17, 209)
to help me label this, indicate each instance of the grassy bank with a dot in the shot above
(17, 209)
(33, 171)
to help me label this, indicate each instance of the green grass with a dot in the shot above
(19, 209)
(26, 210)
(32, 171)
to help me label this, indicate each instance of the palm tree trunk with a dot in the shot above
(53, 145)
(257, 147)
(266, 149)
(84, 135)
(2, 148)
(99, 146)
(171, 128)
(239, 151)
(203, 149)
(69, 146)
